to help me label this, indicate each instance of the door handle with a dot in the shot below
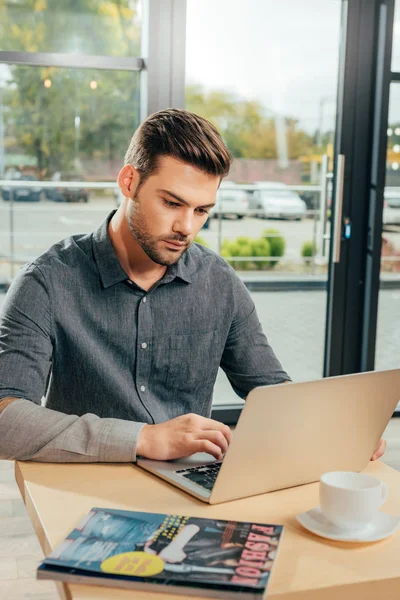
(338, 207)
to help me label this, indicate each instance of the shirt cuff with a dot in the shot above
(120, 440)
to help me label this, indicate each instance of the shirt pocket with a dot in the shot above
(193, 360)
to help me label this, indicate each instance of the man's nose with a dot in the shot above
(184, 224)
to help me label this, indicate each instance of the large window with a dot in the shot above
(70, 100)
(266, 74)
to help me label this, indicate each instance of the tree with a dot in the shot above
(246, 128)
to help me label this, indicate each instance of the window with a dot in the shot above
(265, 73)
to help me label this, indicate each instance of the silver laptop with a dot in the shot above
(288, 435)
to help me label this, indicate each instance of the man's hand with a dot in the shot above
(182, 437)
(380, 451)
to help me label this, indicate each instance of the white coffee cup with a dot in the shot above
(351, 500)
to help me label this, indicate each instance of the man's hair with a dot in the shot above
(182, 135)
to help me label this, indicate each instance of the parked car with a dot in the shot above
(66, 194)
(232, 201)
(23, 193)
(391, 207)
(274, 200)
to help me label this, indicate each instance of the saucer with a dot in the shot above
(380, 528)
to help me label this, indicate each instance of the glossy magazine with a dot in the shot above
(149, 551)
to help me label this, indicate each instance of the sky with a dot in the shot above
(283, 54)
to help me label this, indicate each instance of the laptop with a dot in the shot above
(288, 435)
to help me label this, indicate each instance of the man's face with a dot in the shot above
(170, 208)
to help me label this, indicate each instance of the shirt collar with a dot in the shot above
(110, 269)
(182, 269)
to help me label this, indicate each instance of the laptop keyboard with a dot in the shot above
(204, 475)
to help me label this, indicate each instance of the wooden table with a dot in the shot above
(307, 568)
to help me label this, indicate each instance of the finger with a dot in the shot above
(382, 448)
(207, 446)
(380, 451)
(214, 436)
(217, 425)
(227, 433)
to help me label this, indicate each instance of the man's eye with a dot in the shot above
(171, 204)
(202, 211)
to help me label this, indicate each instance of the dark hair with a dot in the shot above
(182, 135)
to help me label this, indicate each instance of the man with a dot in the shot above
(123, 330)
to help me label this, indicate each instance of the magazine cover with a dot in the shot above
(126, 548)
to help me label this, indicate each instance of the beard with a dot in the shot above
(151, 245)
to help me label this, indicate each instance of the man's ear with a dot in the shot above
(128, 180)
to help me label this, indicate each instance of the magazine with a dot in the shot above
(160, 552)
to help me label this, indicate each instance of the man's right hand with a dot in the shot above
(182, 437)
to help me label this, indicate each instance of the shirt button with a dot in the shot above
(144, 345)
(145, 300)
(142, 388)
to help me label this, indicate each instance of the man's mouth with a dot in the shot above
(175, 244)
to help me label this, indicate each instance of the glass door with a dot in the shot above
(362, 203)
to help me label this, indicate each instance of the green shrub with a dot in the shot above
(243, 240)
(226, 244)
(261, 247)
(277, 244)
(245, 246)
(240, 249)
(308, 249)
(226, 251)
(237, 249)
(200, 240)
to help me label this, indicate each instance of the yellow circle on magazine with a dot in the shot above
(138, 564)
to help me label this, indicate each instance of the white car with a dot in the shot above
(232, 201)
(391, 207)
(274, 200)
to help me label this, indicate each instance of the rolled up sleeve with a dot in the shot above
(31, 432)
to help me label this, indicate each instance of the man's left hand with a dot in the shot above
(380, 451)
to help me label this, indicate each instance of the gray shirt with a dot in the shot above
(113, 357)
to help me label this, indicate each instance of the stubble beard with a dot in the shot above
(139, 230)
